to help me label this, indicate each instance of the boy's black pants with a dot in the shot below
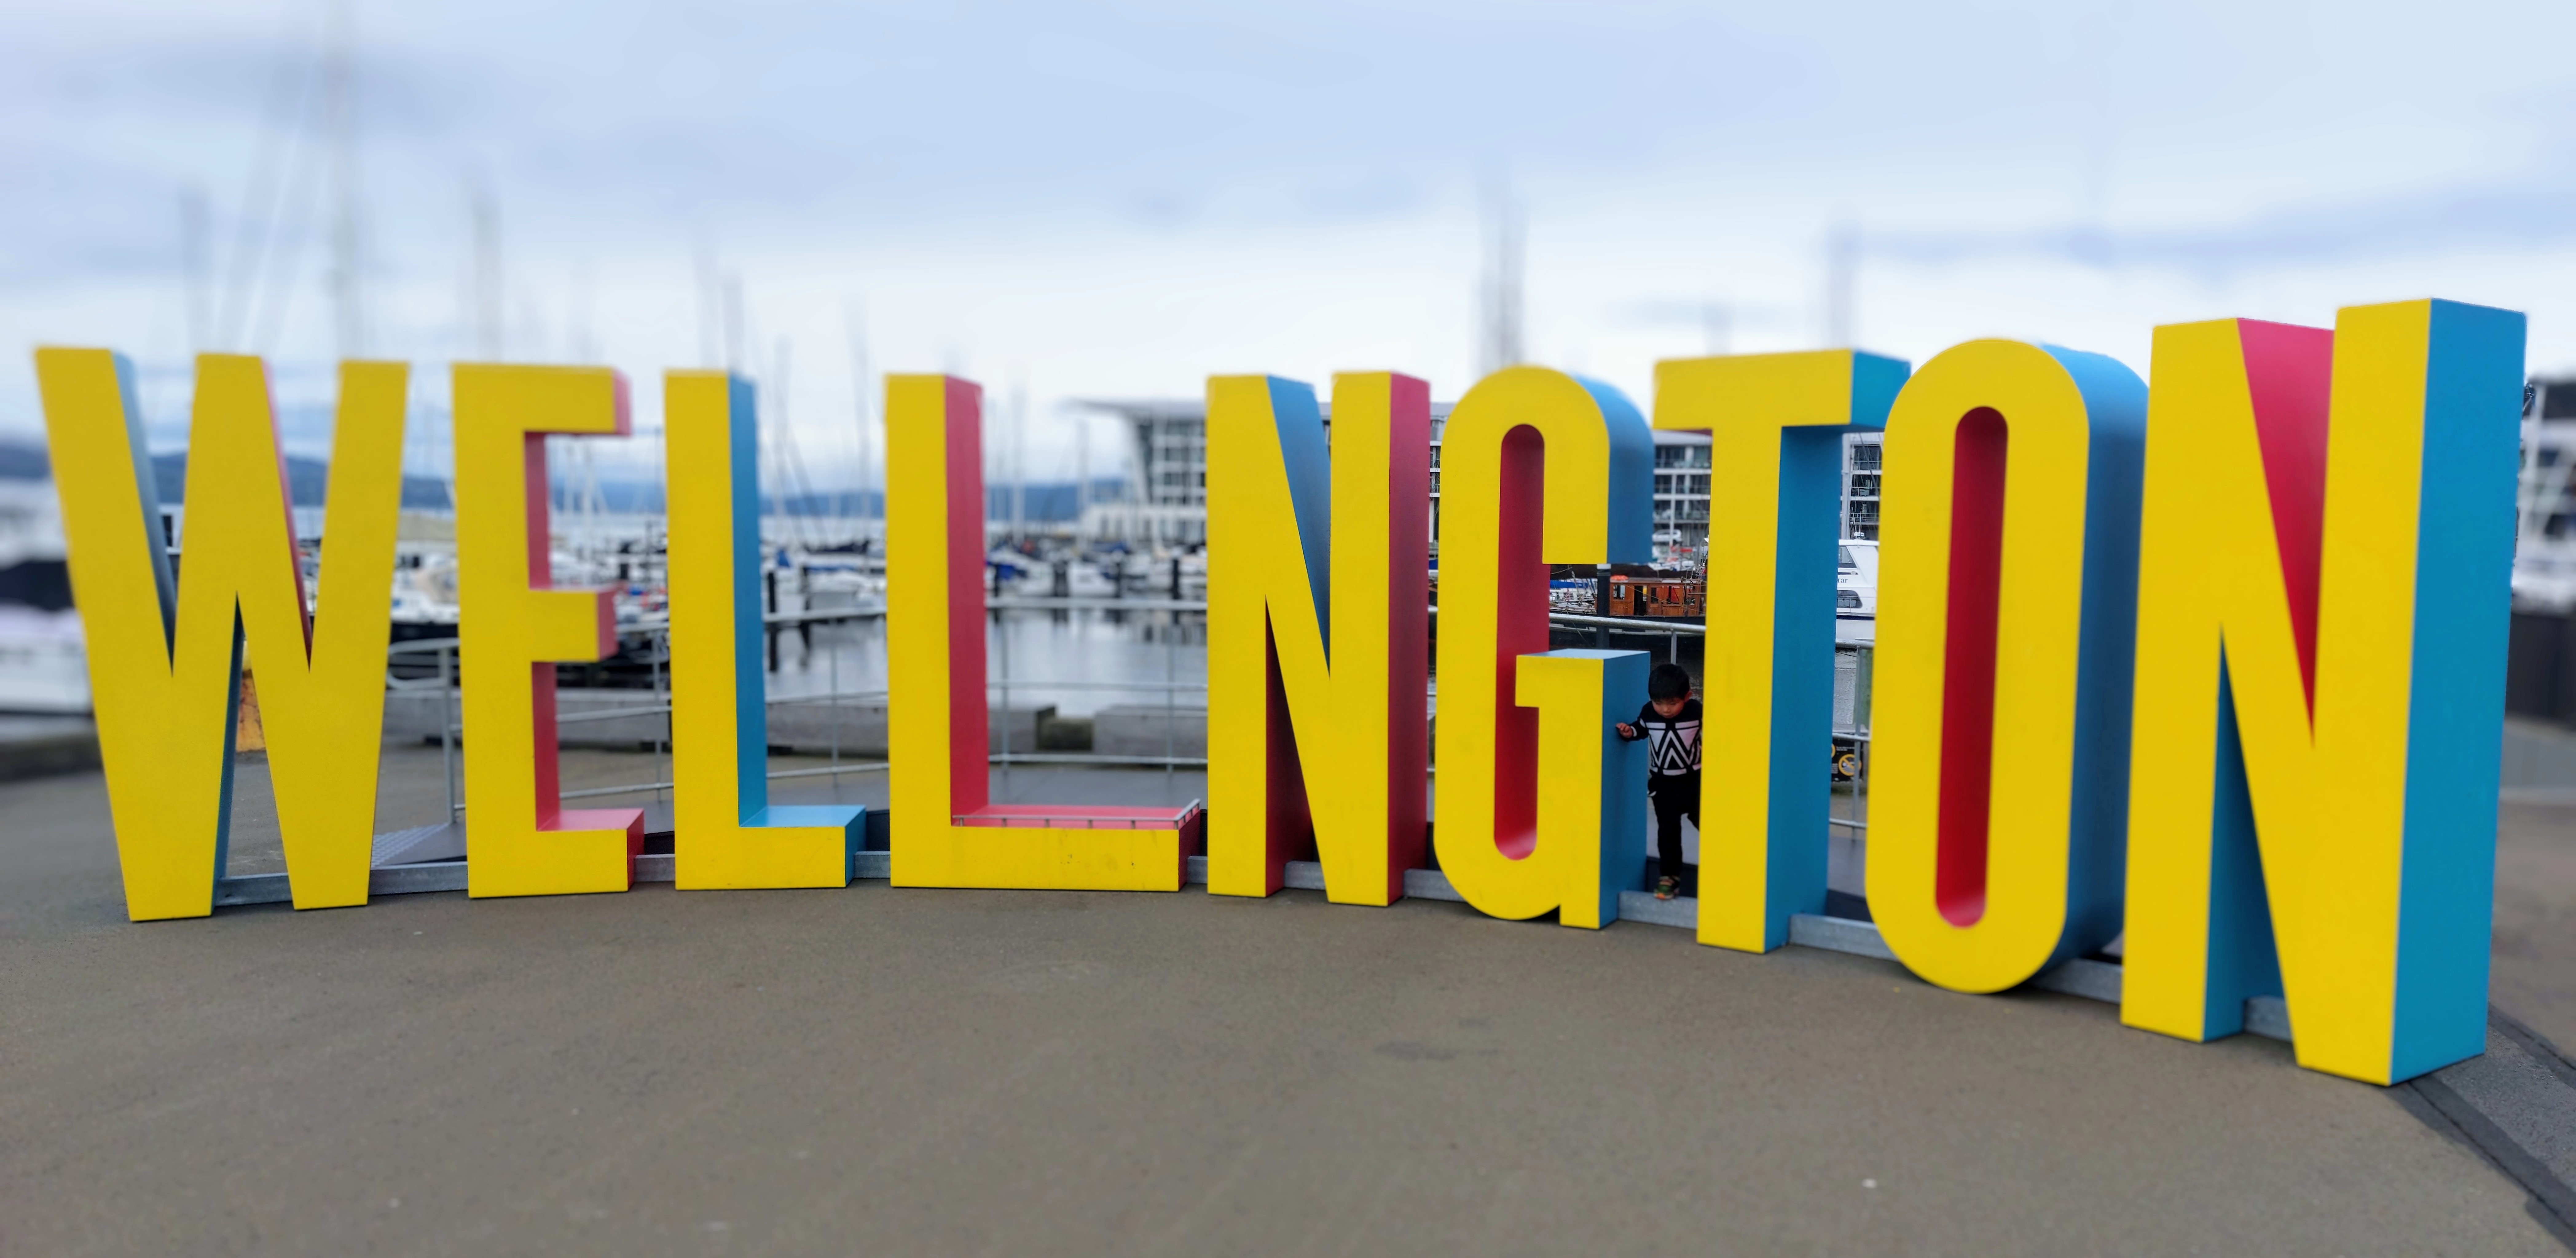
(1676, 796)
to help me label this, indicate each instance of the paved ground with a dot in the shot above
(994, 1072)
(2535, 928)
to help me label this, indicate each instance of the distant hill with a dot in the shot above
(1049, 502)
(23, 462)
(307, 481)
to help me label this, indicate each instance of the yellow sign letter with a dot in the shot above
(1318, 603)
(1537, 467)
(165, 662)
(515, 626)
(726, 832)
(2324, 563)
(2006, 615)
(1776, 424)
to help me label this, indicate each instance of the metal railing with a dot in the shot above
(657, 634)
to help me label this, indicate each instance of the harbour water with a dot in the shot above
(1076, 661)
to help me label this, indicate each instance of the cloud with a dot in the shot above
(2525, 211)
(1702, 313)
(1123, 194)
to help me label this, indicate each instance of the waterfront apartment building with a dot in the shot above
(2544, 552)
(1166, 499)
(1860, 485)
(1682, 471)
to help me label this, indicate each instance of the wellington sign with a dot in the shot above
(2216, 665)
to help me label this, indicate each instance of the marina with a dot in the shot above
(1104, 629)
(1096, 623)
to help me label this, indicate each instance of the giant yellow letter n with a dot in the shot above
(520, 839)
(2324, 562)
(165, 662)
(1318, 600)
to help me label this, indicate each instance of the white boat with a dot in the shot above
(1856, 593)
(43, 667)
(424, 596)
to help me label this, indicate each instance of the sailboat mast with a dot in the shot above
(340, 114)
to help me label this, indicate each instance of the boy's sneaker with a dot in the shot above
(1667, 888)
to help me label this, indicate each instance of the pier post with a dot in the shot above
(1601, 605)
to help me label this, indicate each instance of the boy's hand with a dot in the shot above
(1625, 729)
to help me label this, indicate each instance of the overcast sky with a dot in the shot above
(1118, 198)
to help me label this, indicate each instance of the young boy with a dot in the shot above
(1670, 723)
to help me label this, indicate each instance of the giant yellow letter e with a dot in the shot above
(520, 839)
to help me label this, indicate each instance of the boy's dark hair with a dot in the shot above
(1668, 681)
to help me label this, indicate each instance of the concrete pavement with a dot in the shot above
(998, 1072)
(2535, 925)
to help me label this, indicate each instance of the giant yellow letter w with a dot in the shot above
(165, 655)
